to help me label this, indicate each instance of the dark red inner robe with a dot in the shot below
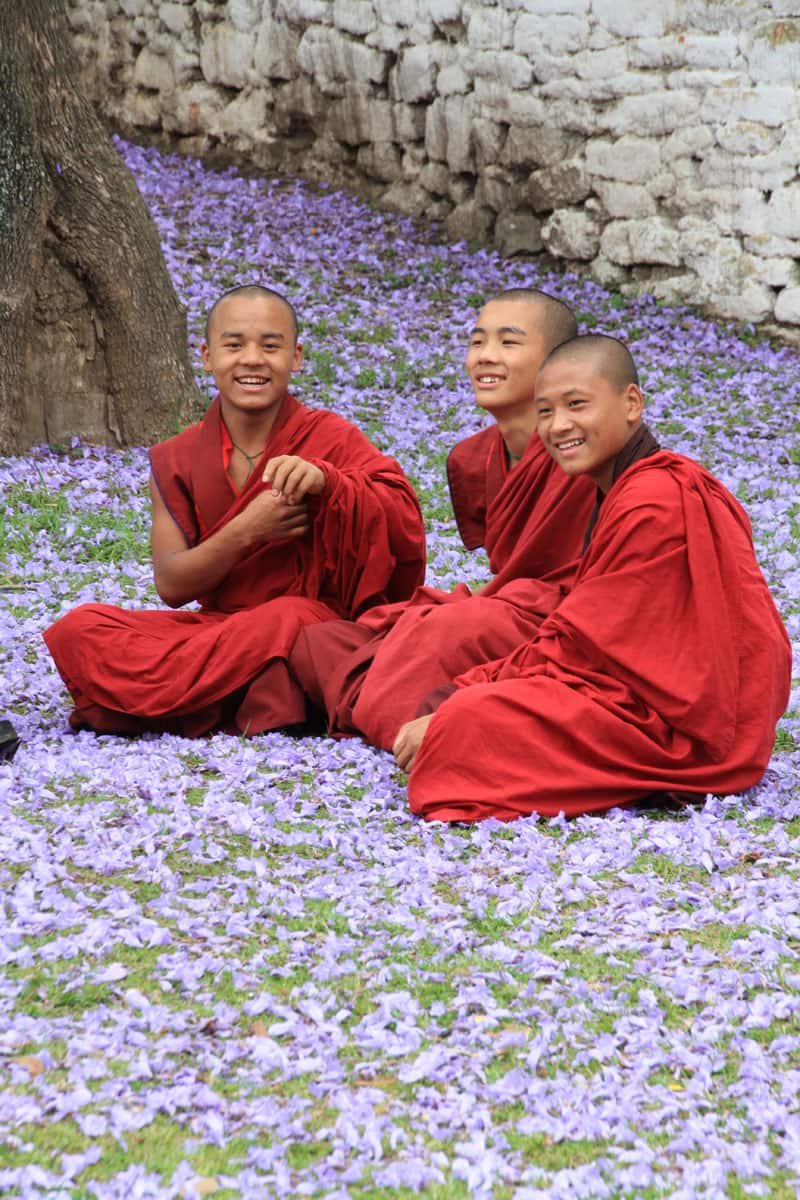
(665, 668)
(370, 677)
(193, 671)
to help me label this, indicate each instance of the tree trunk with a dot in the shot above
(92, 336)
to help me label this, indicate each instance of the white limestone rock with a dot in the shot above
(243, 120)
(518, 233)
(276, 51)
(356, 119)
(244, 15)
(654, 114)
(492, 190)
(652, 240)
(535, 146)
(453, 80)
(435, 178)
(767, 245)
(413, 79)
(407, 198)
(783, 212)
(176, 17)
(488, 139)
(746, 301)
(571, 233)
(443, 12)
(305, 11)
(549, 8)
(196, 109)
(566, 183)
(631, 159)
(787, 306)
(625, 200)
(153, 72)
(608, 66)
(775, 272)
(354, 16)
(489, 28)
(382, 161)
(772, 51)
(327, 56)
(637, 18)
(226, 56)
(512, 70)
(468, 222)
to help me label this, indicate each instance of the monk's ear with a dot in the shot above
(205, 356)
(297, 360)
(634, 404)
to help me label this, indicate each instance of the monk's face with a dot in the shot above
(505, 352)
(584, 419)
(251, 352)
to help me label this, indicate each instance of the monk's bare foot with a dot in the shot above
(409, 740)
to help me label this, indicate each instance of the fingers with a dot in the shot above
(293, 477)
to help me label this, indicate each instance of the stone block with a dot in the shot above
(783, 212)
(787, 306)
(767, 245)
(714, 16)
(572, 234)
(414, 77)
(176, 17)
(655, 114)
(329, 57)
(768, 104)
(406, 197)
(774, 272)
(746, 301)
(506, 68)
(746, 139)
(381, 161)
(153, 72)
(469, 222)
(518, 233)
(435, 178)
(657, 53)
(388, 38)
(146, 110)
(242, 120)
(549, 8)
(489, 29)
(488, 138)
(492, 190)
(453, 80)
(356, 118)
(226, 56)
(625, 200)
(244, 15)
(460, 188)
(185, 64)
(196, 109)
(772, 52)
(390, 12)
(692, 141)
(562, 35)
(712, 50)
(637, 18)
(444, 12)
(354, 16)
(409, 123)
(651, 240)
(276, 51)
(631, 159)
(607, 66)
(497, 103)
(561, 185)
(305, 12)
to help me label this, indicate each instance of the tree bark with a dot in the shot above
(92, 336)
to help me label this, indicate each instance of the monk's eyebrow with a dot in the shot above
(265, 337)
(512, 329)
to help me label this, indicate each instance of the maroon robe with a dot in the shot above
(665, 668)
(193, 671)
(371, 677)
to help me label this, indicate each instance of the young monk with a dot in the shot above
(271, 515)
(665, 668)
(508, 494)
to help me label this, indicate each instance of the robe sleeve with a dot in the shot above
(369, 538)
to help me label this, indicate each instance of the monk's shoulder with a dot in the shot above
(176, 447)
(475, 447)
(659, 479)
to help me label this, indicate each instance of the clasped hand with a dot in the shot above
(293, 478)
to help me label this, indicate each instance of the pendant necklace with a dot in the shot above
(251, 459)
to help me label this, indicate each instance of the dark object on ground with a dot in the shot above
(9, 740)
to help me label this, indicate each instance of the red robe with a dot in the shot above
(194, 671)
(665, 668)
(372, 677)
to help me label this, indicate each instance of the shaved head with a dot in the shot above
(607, 356)
(252, 290)
(555, 322)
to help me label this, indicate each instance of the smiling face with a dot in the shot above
(251, 352)
(584, 418)
(505, 351)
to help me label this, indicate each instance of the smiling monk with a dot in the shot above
(271, 515)
(372, 675)
(664, 669)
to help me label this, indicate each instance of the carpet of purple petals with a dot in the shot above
(242, 968)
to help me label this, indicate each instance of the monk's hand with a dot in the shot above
(270, 517)
(293, 478)
(409, 740)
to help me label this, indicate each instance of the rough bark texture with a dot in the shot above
(92, 336)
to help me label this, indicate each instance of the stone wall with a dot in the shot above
(653, 143)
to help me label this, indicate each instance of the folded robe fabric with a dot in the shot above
(372, 677)
(665, 668)
(191, 671)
